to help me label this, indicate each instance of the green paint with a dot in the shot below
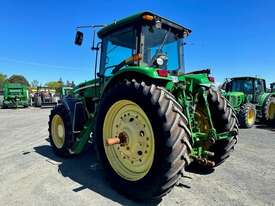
(236, 99)
(15, 95)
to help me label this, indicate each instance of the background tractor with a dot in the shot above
(15, 95)
(272, 87)
(44, 97)
(147, 119)
(250, 99)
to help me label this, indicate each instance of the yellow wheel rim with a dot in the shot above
(133, 157)
(58, 131)
(251, 117)
(271, 111)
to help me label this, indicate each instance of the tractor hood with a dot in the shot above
(235, 98)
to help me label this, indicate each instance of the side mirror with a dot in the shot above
(78, 38)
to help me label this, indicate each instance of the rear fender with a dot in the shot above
(77, 111)
(195, 81)
(264, 97)
(146, 74)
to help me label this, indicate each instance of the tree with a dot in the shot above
(18, 79)
(35, 83)
(54, 84)
(3, 78)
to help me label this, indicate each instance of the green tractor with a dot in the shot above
(272, 87)
(250, 99)
(15, 95)
(147, 119)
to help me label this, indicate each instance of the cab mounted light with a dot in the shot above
(148, 17)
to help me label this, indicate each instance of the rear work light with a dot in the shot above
(211, 79)
(148, 17)
(162, 72)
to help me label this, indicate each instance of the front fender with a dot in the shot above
(264, 97)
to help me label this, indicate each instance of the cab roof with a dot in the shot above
(139, 18)
(244, 77)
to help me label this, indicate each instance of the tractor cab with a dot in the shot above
(142, 40)
(241, 89)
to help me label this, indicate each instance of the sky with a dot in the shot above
(232, 37)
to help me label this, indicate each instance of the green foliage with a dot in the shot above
(18, 79)
(54, 84)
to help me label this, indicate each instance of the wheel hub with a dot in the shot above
(132, 157)
(60, 130)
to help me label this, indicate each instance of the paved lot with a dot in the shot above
(30, 174)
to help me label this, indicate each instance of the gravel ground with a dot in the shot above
(30, 174)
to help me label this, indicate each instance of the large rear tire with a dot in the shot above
(269, 109)
(224, 120)
(60, 131)
(247, 115)
(124, 110)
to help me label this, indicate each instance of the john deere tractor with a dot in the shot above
(147, 119)
(250, 99)
(15, 95)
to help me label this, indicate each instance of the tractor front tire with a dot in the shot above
(60, 131)
(247, 115)
(224, 120)
(153, 147)
(269, 109)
